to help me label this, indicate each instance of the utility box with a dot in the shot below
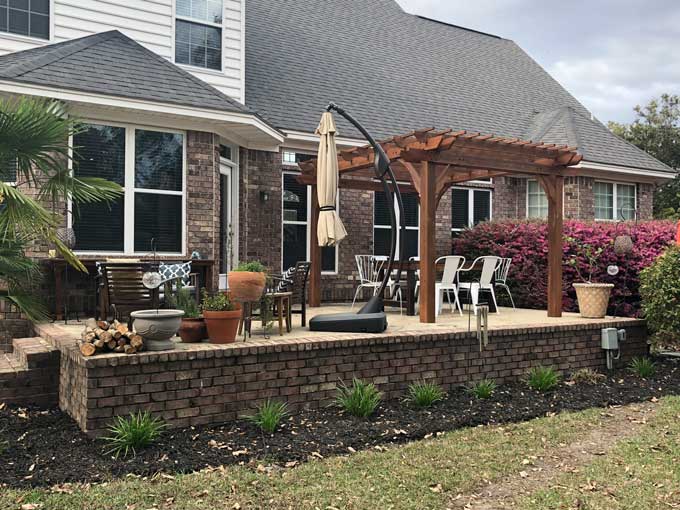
(610, 339)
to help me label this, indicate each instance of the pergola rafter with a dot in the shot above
(432, 161)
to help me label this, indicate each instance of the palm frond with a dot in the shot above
(30, 304)
(79, 189)
(22, 215)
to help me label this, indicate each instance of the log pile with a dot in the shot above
(101, 336)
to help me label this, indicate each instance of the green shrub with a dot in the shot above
(127, 435)
(182, 300)
(269, 415)
(483, 388)
(423, 394)
(660, 294)
(586, 376)
(219, 302)
(251, 267)
(642, 367)
(361, 399)
(543, 378)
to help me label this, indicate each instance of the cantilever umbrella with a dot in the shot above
(330, 229)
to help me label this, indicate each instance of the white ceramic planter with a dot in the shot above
(157, 327)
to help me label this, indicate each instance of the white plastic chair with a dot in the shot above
(417, 287)
(489, 265)
(392, 286)
(502, 278)
(448, 283)
(369, 268)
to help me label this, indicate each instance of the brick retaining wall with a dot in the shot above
(212, 384)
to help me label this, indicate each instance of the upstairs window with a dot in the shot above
(198, 33)
(25, 17)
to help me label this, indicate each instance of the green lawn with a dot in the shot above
(424, 474)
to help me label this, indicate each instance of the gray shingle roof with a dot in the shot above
(397, 72)
(111, 63)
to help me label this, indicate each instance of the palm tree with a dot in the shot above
(35, 151)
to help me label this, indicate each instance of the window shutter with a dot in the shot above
(460, 208)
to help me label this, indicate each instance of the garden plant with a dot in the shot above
(660, 292)
(642, 367)
(129, 434)
(424, 393)
(482, 389)
(360, 399)
(542, 378)
(269, 415)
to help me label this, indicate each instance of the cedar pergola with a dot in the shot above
(432, 161)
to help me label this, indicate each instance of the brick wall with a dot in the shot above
(645, 201)
(12, 328)
(509, 198)
(214, 384)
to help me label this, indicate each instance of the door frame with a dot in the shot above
(230, 170)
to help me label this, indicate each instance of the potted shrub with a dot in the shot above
(192, 329)
(593, 298)
(246, 282)
(221, 317)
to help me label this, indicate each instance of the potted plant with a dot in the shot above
(246, 282)
(192, 329)
(593, 298)
(221, 317)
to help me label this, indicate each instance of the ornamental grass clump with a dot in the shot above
(543, 378)
(137, 431)
(642, 367)
(360, 399)
(587, 376)
(424, 394)
(482, 389)
(269, 415)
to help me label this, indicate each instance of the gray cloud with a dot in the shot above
(610, 54)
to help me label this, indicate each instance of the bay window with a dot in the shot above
(382, 231)
(537, 200)
(198, 33)
(469, 207)
(614, 201)
(30, 18)
(149, 165)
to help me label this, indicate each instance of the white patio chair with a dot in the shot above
(501, 278)
(393, 288)
(448, 283)
(489, 265)
(369, 268)
(417, 286)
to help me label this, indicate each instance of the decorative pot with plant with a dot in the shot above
(593, 298)
(247, 281)
(193, 327)
(221, 317)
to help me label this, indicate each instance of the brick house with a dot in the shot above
(202, 110)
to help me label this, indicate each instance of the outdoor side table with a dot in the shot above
(282, 302)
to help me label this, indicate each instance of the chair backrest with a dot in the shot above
(502, 270)
(295, 281)
(452, 264)
(369, 267)
(489, 265)
(125, 290)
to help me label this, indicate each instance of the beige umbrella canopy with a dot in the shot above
(330, 229)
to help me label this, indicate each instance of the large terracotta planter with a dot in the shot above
(193, 330)
(222, 326)
(157, 327)
(593, 299)
(246, 286)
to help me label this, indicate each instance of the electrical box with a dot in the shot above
(610, 339)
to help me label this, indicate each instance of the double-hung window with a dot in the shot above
(382, 231)
(198, 33)
(614, 201)
(296, 202)
(469, 206)
(25, 17)
(149, 165)
(537, 200)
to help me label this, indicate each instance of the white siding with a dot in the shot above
(149, 22)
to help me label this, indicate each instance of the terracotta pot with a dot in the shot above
(593, 299)
(222, 326)
(246, 286)
(193, 330)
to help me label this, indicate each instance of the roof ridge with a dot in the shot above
(54, 53)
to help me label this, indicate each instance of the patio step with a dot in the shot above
(30, 375)
(35, 352)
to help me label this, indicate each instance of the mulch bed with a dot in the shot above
(45, 447)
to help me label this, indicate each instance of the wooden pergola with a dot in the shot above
(432, 161)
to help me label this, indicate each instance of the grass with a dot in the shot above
(423, 474)
(360, 399)
(269, 415)
(543, 378)
(424, 394)
(482, 389)
(642, 367)
(137, 431)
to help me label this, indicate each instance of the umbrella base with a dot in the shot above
(349, 323)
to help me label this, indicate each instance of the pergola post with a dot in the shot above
(428, 208)
(554, 188)
(315, 255)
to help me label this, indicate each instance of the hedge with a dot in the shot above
(526, 243)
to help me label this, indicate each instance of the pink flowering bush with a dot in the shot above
(526, 243)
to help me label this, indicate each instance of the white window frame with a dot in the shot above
(32, 39)
(615, 198)
(189, 19)
(130, 190)
(540, 187)
(471, 205)
(389, 227)
(307, 223)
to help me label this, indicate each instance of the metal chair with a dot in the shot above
(449, 282)
(369, 267)
(501, 278)
(489, 265)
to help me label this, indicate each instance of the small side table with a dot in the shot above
(280, 301)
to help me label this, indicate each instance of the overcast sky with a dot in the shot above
(610, 54)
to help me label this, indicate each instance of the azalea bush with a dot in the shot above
(526, 242)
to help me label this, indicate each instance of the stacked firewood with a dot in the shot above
(102, 336)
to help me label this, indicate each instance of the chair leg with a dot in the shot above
(493, 297)
(512, 301)
(439, 301)
(355, 295)
(474, 294)
(457, 301)
(304, 313)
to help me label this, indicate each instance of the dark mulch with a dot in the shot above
(44, 447)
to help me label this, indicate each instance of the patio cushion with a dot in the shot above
(175, 272)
